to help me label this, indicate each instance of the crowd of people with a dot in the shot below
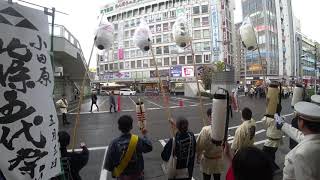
(241, 160)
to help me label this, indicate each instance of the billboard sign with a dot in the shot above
(215, 30)
(187, 71)
(176, 71)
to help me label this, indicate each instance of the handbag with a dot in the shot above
(172, 171)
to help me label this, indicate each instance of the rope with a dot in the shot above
(205, 122)
(75, 129)
(160, 85)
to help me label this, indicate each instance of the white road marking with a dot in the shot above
(90, 149)
(104, 172)
(154, 103)
(132, 100)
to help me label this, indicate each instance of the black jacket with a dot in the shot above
(77, 161)
(183, 143)
(94, 98)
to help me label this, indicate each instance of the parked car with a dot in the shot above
(151, 92)
(127, 92)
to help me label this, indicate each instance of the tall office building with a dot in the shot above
(212, 32)
(273, 21)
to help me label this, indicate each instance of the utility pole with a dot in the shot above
(315, 68)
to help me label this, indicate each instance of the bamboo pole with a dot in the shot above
(160, 85)
(205, 122)
(76, 125)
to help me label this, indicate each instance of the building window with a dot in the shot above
(197, 34)
(159, 62)
(132, 53)
(127, 65)
(126, 54)
(206, 46)
(121, 65)
(166, 61)
(154, 7)
(166, 50)
(166, 38)
(111, 66)
(115, 56)
(158, 17)
(162, 6)
(152, 62)
(101, 68)
(131, 33)
(198, 59)
(206, 33)
(129, 14)
(165, 15)
(126, 34)
(139, 64)
(207, 58)
(115, 66)
(205, 21)
(158, 28)
(152, 29)
(196, 22)
(115, 27)
(148, 9)
(106, 67)
(172, 14)
(182, 60)
(132, 23)
(133, 64)
(197, 46)
(145, 63)
(126, 44)
(173, 60)
(204, 8)
(158, 39)
(132, 43)
(139, 53)
(189, 60)
(158, 50)
(165, 27)
(196, 10)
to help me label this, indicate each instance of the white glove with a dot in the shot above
(279, 121)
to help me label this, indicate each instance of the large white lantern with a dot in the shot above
(218, 116)
(248, 35)
(181, 32)
(104, 36)
(142, 37)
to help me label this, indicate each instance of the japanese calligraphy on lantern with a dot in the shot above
(28, 124)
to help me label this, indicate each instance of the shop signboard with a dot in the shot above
(187, 71)
(176, 71)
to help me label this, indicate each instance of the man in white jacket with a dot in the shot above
(302, 162)
(63, 105)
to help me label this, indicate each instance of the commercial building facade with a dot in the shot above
(213, 40)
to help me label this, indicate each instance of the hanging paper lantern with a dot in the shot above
(219, 112)
(273, 96)
(248, 35)
(104, 36)
(181, 32)
(142, 37)
(297, 94)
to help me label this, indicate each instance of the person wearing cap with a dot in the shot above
(302, 161)
(209, 154)
(244, 135)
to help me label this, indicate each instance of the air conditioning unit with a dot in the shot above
(58, 71)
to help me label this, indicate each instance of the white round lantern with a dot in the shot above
(297, 94)
(142, 37)
(104, 36)
(181, 32)
(248, 35)
(218, 116)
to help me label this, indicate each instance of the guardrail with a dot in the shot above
(63, 32)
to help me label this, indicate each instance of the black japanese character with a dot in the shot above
(40, 43)
(41, 171)
(44, 77)
(16, 73)
(29, 157)
(54, 163)
(55, 150)
(16, 50)
(54, 134)
(7, 114)
(42, 58)
(26, 131)
(51, 120)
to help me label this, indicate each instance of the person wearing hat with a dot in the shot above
(302, 161)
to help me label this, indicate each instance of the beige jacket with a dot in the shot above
(63, 105)
(274, 136)
(211, 155)
(302, 162)
(244, 135)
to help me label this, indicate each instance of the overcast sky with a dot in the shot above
(82, 19)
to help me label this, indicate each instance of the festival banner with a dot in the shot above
(28, 120)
